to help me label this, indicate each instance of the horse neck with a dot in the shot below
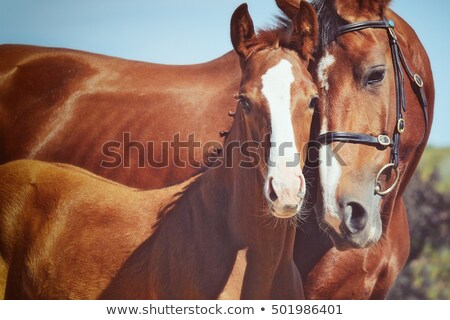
(310, 240)
(238, 189)
(417, 57)
(202, 229)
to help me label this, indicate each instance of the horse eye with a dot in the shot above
(245, 105)
(375, 76)
(314, 102)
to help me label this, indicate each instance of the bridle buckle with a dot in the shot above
(418, 80)
(401, 125)
(384, 140)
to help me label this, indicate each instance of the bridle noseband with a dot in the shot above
(384, 141)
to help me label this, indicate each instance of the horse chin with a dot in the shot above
(344, 241)
(282, 213)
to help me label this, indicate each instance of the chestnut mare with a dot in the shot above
(372, 125)
(67, 233)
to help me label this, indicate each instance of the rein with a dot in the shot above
(384, 141)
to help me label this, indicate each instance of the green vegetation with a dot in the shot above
(427, 272)
(432, 267)
(436, 161)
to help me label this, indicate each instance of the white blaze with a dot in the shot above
(322, 70)
(329, 169)
(276, 88)
(284, 173)
(330, 173)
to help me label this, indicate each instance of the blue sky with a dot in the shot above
(193, 31)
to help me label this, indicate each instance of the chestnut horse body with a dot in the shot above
(67, 106)
(70, 119)
(67, 233)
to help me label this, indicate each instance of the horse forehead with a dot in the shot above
(268, 61)
(363, 46)
(278, 78)
(323, 68)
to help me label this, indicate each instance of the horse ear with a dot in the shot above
(289, 7)
(305, 32)
(242, 31)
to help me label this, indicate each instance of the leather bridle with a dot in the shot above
(384, 141)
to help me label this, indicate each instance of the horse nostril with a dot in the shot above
(272, 195)
(356, 217)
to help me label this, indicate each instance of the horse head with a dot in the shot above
(276, 101)
(367, 141)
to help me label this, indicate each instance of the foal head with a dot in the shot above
(276, 101)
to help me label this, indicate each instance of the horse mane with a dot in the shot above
(329, 23)
(273, 36)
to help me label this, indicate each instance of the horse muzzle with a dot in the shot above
(356, 224)
(285, 192)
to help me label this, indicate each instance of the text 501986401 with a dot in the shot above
(306, 309)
